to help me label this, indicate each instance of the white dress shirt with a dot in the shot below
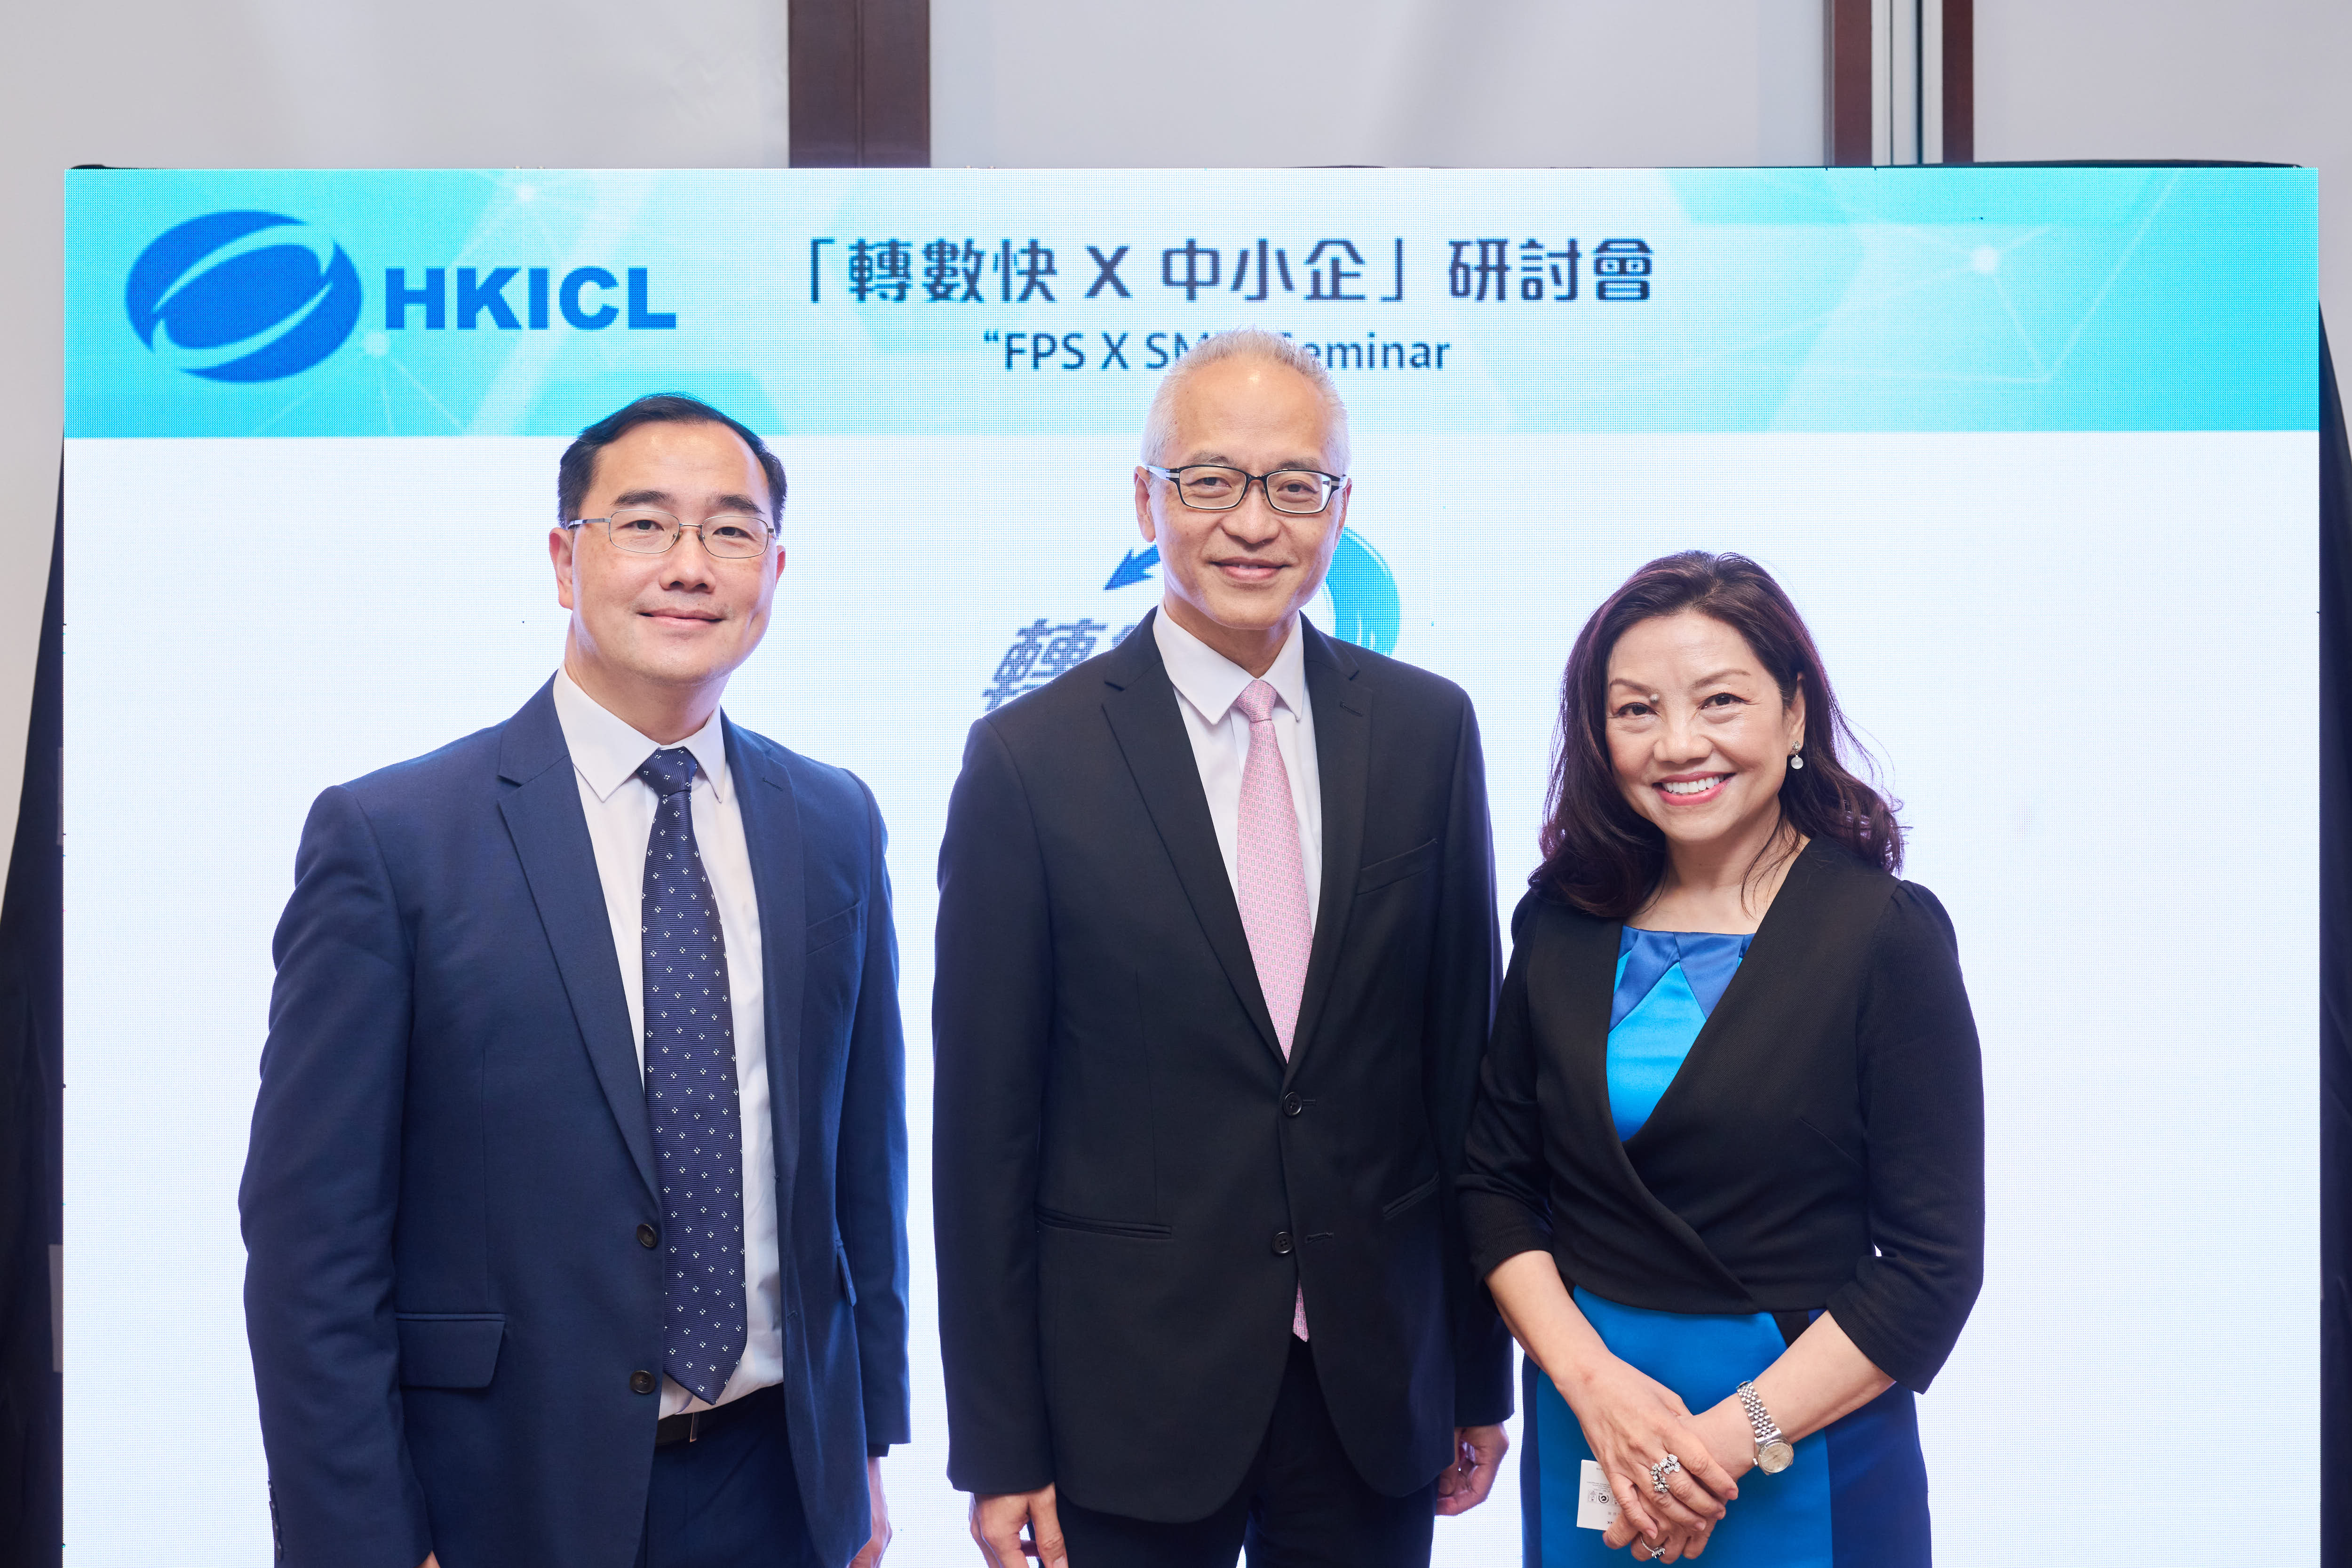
(619, 805)
(1207, 685)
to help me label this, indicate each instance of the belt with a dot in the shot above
(690, 1426)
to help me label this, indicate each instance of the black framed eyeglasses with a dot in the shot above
(1211, 486)
(648, 531)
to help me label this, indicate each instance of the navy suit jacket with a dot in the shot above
(446, 1295)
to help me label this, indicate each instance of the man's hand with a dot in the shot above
(1477, 1458)
(996, 1523)
(879, 1542)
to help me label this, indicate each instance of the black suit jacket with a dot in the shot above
(1821, 1146)
(1130, 1183)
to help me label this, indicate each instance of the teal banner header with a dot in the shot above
(531, 302)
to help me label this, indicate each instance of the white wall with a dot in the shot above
(240, 83)
(1499, 83)
(1516, 83)
(2263, 80)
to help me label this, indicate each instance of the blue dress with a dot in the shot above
(1856, 1493)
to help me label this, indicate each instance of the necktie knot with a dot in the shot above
(1256, 702)
(668, 772)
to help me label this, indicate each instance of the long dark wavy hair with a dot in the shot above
(1605, 857)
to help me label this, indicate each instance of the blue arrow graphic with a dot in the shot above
(1135, 568)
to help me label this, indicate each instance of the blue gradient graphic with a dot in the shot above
(1844, 300)
(1365, 609)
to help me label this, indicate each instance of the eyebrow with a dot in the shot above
(1703, 681)
(726, 503)
(1312, 465)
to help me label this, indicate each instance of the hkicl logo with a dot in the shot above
(257, 296)
(242, 296)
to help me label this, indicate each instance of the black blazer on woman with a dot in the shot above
(1822, 1145)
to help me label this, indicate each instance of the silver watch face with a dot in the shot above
(1773, 1457)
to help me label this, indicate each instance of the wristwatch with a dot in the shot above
(1772, 1451)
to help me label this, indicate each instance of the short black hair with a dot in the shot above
(579, 465)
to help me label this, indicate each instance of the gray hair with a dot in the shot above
(1242, 342)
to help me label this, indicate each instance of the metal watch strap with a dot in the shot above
(1767, 1432)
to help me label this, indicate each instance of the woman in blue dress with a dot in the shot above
(1725, 1177)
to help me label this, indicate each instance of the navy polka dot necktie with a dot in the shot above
(690, 1092)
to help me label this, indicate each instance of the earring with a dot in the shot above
(1797, 760)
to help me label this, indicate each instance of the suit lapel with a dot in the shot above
(772, 833)
(1343, 752)
(1588, 978)
(1140, 704)
(1730, 1032)
(551, 836)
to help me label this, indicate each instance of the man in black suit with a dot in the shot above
(1216, 960)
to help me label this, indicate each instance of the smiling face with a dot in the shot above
(1697, 733)
(1237, 579)
(659, 633)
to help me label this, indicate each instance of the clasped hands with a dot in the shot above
(1631, 1421)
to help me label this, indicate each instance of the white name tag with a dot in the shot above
(1595, 1509)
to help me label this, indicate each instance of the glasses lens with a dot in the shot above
(641, 531)
(734, 537)
(1211, 489)
(1298, 490)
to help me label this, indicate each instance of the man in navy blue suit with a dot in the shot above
(576, 1200)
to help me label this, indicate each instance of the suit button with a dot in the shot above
(641, 1382)
(1282, 1244)
(1292, 1105)
(646, 1236)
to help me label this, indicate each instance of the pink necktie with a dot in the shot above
(1271, 884)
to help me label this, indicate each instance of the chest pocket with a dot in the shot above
(835, 959)
(823, 933)
(1396, 868)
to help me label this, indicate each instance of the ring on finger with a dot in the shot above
(1659, 1471)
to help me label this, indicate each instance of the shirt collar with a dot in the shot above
(608, 751)
(1211, 682)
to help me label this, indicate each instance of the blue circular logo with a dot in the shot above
(240, 300)
(1365, 609)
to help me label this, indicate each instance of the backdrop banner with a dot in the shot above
(2034, 450)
